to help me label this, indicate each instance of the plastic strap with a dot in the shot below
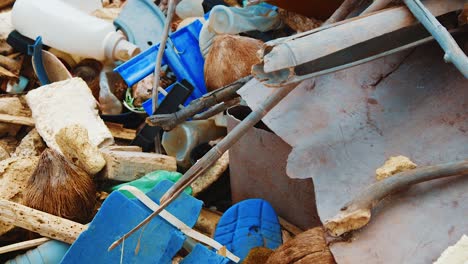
(177, 223)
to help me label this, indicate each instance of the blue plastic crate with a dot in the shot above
(182, 55)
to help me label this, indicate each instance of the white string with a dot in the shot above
(177, 223)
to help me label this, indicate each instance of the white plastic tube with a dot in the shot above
(72, 30)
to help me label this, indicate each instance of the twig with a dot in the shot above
(212, 156)
(162, 47)
(376, 6)
(357, 213)
(169, 121)
(342, 12)
(221, 107)
(453, 53)
(23, 245)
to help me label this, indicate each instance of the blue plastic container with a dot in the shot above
(50, 252)
(182, 55)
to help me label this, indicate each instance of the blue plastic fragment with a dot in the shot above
(142, 22)
(201, 255)
(249, 224)
(159, 240)
(36, 51)
(183, 56)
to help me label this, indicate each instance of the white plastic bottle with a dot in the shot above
(69, 29)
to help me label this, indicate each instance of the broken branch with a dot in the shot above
(357, 213)
(169, 121)
(221, 107)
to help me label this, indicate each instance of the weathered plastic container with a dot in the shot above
(67, 28)
(180, 141)
(257, 164)
(50, 252)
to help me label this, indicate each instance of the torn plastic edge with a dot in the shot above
(177, 223)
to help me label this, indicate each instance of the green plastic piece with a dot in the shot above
(150, 180)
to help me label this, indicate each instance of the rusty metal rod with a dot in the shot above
(453, 53)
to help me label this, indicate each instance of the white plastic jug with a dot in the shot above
(234, 20)
(67, 28)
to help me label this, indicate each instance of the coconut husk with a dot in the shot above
(307, 247)
(60, 188)
(230, 58)
(258, 255)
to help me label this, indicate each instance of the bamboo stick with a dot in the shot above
(453, 53)
(213, 155)
(37, 221)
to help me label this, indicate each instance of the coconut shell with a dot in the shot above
(307, 247)
(230, 58)
(60, 188)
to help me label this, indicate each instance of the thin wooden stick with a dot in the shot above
(376, 6)
(37, 221)
(342, 12)
(169, 121)
(453, 53)
(357, 213)
(217, 109)
(162, 47)
(17, 120)
(212, 156)
(23, 245)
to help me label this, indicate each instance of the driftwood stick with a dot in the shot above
(17, 120)
(357, 213)
(37, 221)
(342, 12)
(23, 245)
(162, 47)
(212, 156)
(169, 121)
(453, 53)
(376, 6)
(10, 64)
(221, 107)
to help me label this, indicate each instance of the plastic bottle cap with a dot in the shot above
(118, 48)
